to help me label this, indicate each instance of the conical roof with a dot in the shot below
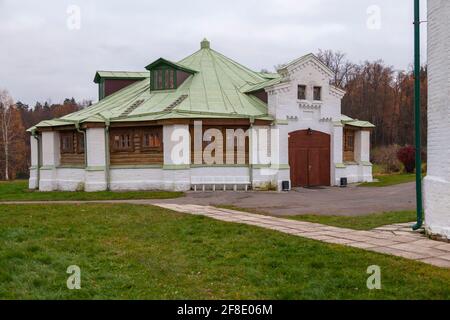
(217, 89)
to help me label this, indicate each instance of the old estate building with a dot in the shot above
(140, 135)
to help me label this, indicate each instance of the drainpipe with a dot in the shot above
(419, 223)
(107, 158)
(77, 126)
(250, 155)
(38, 170)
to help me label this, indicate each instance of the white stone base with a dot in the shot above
(355, 173)
(220, 177)
(437, 207)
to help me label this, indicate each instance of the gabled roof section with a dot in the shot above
(175, 65)
(356, 123)
(304, 59)
(120, 75)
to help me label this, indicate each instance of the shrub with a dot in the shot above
(407, 156)
(386, 157)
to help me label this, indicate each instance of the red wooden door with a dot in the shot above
(309, 158)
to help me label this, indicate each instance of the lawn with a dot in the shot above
(363, 222)
(144, 252)
(18, 191)
(390, 180)
(366, 222)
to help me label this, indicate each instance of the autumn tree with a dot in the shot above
(12, 131)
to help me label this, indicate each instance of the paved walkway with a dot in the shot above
(398, 239)
(350, 201)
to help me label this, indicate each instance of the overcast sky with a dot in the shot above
(47, 55)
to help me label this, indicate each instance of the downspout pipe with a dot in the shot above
(417, 120)
(38, 170)
(250, 160)
(77, 126)
(107, 157)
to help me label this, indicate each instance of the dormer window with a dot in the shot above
(317, 93)
(164, 79)
(167, 75)
(301, 92)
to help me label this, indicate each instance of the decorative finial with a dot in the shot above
(205, 44)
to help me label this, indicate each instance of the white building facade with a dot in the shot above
(437, 181)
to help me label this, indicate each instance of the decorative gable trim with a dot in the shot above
(337, 92)
(302, 62)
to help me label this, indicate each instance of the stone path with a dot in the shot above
(397, 239)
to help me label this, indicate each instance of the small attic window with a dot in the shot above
(164, 79)
(167, 75)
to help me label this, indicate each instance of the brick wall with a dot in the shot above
(437, 182)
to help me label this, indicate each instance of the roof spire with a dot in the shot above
(205, 44)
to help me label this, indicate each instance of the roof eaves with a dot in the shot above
(120, 75)
(305, 58)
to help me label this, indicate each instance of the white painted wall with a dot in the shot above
(50, 160)
(32, 182)
(437, 181)
(95, 178)
(323, 116)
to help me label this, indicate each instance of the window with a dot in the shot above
(164, 79)
(122, 141)
(151, 139)
(317, 93)
(301, 92)
(349, 140)
(66, 142)
(80, 143)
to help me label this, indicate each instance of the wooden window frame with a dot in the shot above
(71, 146)
(314, 93)
(155, 130)
(168, 78)
(304, 88)
(114, 148)
(80, 142)
(349, 146)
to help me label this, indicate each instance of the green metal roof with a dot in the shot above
(356, 123)
(120, 75)
(215, 90)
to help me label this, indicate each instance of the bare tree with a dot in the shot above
(337, 62)
(6, 105)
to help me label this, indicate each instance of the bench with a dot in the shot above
(222, 181)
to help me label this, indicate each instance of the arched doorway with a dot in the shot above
(309, 158)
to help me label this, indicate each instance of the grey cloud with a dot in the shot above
(42, 59)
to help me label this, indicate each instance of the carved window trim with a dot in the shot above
(66, 142)
(151, 139)
(349, 140)
(122, 141)
(80, 143)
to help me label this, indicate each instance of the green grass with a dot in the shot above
(366, 222)
(390, 180)
(18, 191)
(363, 222)
(144, 252)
